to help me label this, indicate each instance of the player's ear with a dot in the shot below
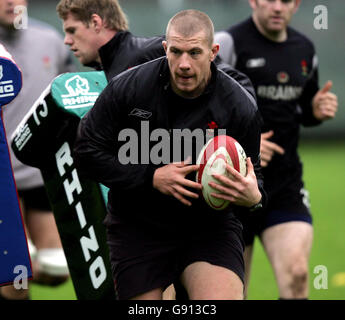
(96, 22)
(214, 51)
(297, 3)
(253, 4)
(165, 45)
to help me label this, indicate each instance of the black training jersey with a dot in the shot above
(285, 79)
(140, 99)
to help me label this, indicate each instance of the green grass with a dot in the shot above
(62, 292)
(324, 175)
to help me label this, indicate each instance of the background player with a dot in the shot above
(41, 55)
(282, 64)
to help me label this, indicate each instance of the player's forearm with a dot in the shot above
(105, 166)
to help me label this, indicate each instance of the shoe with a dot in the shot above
(32, 250)
(52, 261)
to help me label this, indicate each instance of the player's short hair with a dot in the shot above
(189, 22)
(109, 10)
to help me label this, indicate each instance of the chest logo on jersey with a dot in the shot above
(284, 93)
(255, 63)
(283, 77)
(304, 66)
(211, 127)
(140, 113)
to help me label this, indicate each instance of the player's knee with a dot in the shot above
(298, 275)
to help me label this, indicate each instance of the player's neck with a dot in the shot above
(278, 36)
(107, 35)
(103, 38)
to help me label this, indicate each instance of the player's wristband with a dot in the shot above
(256, 206)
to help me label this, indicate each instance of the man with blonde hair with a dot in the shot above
(159, 230)
(110, 46)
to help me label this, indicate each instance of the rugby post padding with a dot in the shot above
(15, 264)
(44, 139)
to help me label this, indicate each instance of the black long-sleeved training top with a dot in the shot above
(285, 78)
(142, 98)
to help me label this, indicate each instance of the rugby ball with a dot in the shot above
(213, 157)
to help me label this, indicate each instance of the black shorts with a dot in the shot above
(35, 199)
(143, 259)
(296, 210)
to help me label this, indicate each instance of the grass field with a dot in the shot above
(324, 175)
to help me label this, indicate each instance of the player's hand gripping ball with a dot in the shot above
(213, 157)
